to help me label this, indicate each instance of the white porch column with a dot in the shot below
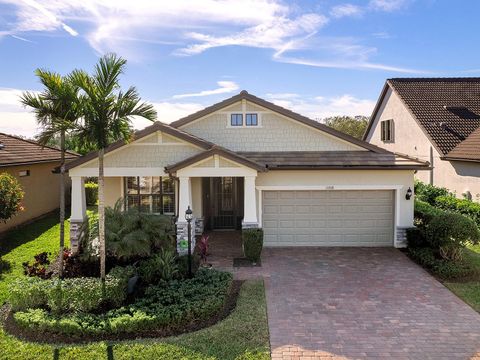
(184, 197)
(184, 201)
(78, 212)
(250, 203)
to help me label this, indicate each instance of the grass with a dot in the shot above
(243, 335)
(469, 291)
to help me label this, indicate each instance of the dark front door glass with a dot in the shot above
(224, 203)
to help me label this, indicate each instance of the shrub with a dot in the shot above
(462, 206)
(424, 213)
(252, 244)
(38, 267)
(11, 196)
(131, 234)
(161, 266)
(182, 262)
(91, 193)
(171, 305)
(443, 268)
(450, 233)
(428, 193)
(416, 238)
(71, 295)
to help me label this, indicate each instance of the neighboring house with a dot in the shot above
(33, 166)
(246, 162)
(437, 120)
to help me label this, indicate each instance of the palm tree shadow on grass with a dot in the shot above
(27, 233)
(5, 267)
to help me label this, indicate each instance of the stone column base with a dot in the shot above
(182, 237)
(199, 226)
(78, 229)
(249, 225)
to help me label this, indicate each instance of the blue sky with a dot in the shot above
(319, 58)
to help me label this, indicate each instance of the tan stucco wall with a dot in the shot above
(274, 133)
(360, 178)
(42, 192)
(113, 190)
(411, 140)
(197, 197)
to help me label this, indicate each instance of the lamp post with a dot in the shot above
(189, 217)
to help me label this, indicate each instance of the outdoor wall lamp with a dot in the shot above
(409, 193)
(189, 217)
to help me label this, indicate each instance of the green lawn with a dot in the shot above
(469, 291)
(242, 335)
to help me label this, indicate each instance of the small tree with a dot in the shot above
(11, 196)
(354, 126)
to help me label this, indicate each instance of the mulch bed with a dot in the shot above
(6, 318)
(244, 262)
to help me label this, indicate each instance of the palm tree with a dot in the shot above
(106, 117)
(56, 110)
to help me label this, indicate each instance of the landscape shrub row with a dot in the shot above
(167, 306)
(73, 295)
(461, 206)
(91, 193)
(252, 244)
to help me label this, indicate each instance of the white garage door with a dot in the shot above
(328, 218)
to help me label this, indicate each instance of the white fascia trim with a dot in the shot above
(329, 187)
(119, 171)
(216, 172)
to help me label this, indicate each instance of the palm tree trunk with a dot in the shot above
(62, 203)
(101, 214)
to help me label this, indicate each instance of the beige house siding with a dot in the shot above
(154, 151)
(113, 190)
(274, 133)
(410, 139)
(42, 192)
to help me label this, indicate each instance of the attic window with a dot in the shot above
(251, 119)
(462, 112)
(236, 119)
(386, 130)
(2, 146)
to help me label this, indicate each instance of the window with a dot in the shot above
(251, 119)
(24, 173)
(150, 194)
(236, 120)
(386, 130)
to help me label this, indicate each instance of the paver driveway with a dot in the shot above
(361, 303)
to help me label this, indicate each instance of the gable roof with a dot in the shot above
(244, 95)
(467, 150)
(16, 151)
(216, 150)
(156, 126)
(446, 109)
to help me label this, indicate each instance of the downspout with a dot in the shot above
(431, 164)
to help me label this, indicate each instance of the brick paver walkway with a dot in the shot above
(361, 303)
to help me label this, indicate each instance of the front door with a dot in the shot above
(223, 202)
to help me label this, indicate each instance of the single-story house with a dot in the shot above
(436, 120)
(246, 162)
(33, 166)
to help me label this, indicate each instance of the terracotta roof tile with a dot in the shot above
(17, 151)
(448, 109)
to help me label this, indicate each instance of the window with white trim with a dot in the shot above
(150, 194)
(251, 119)
(236, 119)
(386, 128)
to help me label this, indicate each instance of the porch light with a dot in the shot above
(189, 214)
(409, 193)
(189, 217)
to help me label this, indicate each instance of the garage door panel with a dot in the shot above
(328, 218)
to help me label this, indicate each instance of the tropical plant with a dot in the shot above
(132, 234)
(11, 196)
(203, 248)
(106, 117)
(161, 266)
(56, 109)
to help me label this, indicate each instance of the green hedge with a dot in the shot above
(73, 295)
(171, 305)
(252, 244)
(445, 269)
(428, 193)
(462, 206)
(91, 193)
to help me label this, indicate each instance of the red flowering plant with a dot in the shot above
(11, 196)
(203, 248)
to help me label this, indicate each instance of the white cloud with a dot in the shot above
(346, 10)
(190, 27)
(387, 5)
(320, 107)
(223, 88)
